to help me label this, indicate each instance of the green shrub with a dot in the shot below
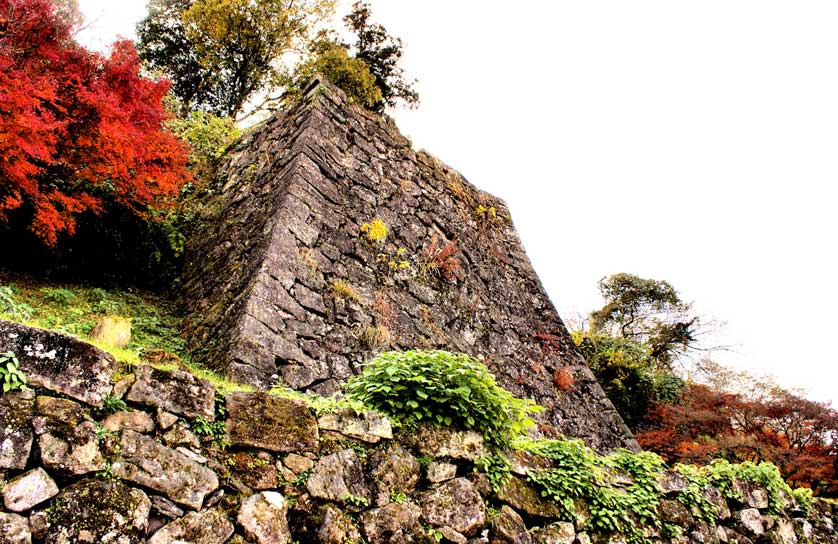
(442, 388)
(10, 306)
(13, 379)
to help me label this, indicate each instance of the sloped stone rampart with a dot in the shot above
(451, 273)
(334, 490)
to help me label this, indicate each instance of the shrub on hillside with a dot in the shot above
(442, 388)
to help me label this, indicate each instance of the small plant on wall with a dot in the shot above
(374, 232)
(439, 261)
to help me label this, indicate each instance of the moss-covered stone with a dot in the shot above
(101, 511)
(270, 423)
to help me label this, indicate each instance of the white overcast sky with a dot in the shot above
(695, 142)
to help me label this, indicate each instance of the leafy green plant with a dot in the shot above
(303, 477)
(13, 378)
(58, 295)
(803, 498)
(721, 474)
(113, 404)
(356, 500)
(102, 433)
(397, 497)
(496, 468)
(216, 430)
(9, 305)
(442, 388)
(580, 474)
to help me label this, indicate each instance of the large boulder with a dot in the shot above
(175, 391)
(101, 511)
(368, 427)
(15, 430)
(439, 442)
(525, 498)
(264, 518)
(336, 527)
(392, 469)
(263, 421)
(205, 527)
(28, 490)
(340, 478)
(392, 524)
(507, 527)
(59, 362)
(456, 504)
(14, 529)
(164, 470)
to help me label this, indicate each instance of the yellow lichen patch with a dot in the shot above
(375, 231)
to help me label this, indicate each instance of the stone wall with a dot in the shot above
(181, 462)
(260, 282)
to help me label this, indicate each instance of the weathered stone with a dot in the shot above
(28, 490)
(509, 528)
(560, 532)
(582, 538)
(58, 413)
(441, 472)
(456, 504)
(136, 421)
(715, 497)
(59, 362)
(369, 427)
(753, 495)
(164, 470)
(674, 512)
(336, 527)
(394, 523)
(522, 462)
(181, 435)
(340, 478)
(175, 391)
(98, 511)
(39, 525)
(452, 536)
(75, 453)
(297, 463)
(803, 529)
(205, 527)
(392, 470)
(15, 429)
(14, 529)
(297, 191)
(523, 497)
(166, 419)
(672, 482)
(439, 442)
(750, 520)
(270, 423)
(782, 533)
(263, 518)
(165, 507)
(255, 471)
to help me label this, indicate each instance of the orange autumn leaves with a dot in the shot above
(77, 129)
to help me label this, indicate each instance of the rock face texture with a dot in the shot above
(325, 486)
(293, 279)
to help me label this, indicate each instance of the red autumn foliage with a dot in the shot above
(442, 260)
(563, 379)
(77, 129)
(798, 435)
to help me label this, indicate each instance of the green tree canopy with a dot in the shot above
(219, 53)
(648, 311)
(382, 53)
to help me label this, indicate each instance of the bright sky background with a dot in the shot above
(695, 142)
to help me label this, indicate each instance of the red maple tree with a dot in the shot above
(77, 129)
(798, 435)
